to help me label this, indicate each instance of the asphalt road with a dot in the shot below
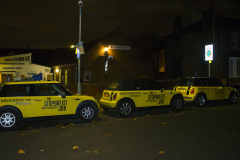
(208, 133)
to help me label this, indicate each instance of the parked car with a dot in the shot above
(28, 99)
(237, 87)
(200, 90)
(125, 95)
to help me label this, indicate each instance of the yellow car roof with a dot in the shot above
(29, 82)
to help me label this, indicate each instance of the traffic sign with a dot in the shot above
(209, 52)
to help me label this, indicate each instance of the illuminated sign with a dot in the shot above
(209, 52)
(119, 47)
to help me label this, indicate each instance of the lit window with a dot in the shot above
(234, 67)
(106, 67)
(234, 40)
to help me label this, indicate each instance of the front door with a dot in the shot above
(48, 101)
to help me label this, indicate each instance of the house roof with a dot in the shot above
(220, 21)
(60, 56)
(39, 56)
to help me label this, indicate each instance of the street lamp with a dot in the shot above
(79, 47)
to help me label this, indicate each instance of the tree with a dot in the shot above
(148, 41)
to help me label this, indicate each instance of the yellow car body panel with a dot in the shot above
(140, 98)
(41, 106)
(191, 91)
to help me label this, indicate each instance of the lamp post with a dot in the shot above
(80, 46)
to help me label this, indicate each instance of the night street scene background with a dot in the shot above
(55, 24)
(49, 27)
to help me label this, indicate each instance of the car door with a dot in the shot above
(20, 96)
(219, 89)
(151, 93)
(48, 101)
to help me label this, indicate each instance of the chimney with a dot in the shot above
(177, 24)
(207, 18)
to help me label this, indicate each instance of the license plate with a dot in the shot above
(106, 95)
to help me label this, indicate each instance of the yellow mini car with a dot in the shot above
(125, 95)
(200, 90)
(28, 99)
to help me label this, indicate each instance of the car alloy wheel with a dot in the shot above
(233, 98)
(87, 113)
(7, 120)
(178, 103)
(125, 108)
(200, 101)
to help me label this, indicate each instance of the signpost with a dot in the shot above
(209, 55)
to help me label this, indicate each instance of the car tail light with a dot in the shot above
(115, 96)
(192, 91)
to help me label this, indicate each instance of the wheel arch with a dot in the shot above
(86, 102)
(200, 94)
(126, 98)
(14, 109)
(232, 92)
(176, 96)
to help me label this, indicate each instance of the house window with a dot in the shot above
(234, 67)
(14, 59)
(20, 58)
(46, 70)
(106, 67)
(234, 40)
(27, 58)
(7, 59)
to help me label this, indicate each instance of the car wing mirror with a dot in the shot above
(63, 95)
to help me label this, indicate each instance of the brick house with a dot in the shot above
(185, 48)
(113, 56)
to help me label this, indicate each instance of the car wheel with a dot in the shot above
(125, 108)
(200, 100)
(177, 103)
(8, 119)
(87, 112)
(233, 98)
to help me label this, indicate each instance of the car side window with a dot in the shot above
(141, 85)
(154, 85)
(46, 90)
(19, 90)
(126, 85)
(202, 82)
(217, 83)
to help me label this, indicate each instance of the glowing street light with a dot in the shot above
(79, 47)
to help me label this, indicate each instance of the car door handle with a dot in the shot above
(37, 100)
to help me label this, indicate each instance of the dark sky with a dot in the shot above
(51, 24)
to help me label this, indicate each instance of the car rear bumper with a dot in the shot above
(107, 103)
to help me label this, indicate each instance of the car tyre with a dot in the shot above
(87, 113)
(177, 103)
(233, 98)
(125, 108)
(8, 119)
(200, 100)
